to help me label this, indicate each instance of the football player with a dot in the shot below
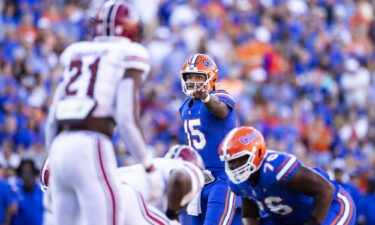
(181, 172)
(208, 115)
(99, 89)
(180, 169)
(276, 188)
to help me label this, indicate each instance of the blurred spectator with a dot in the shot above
(184, 14)
(159, 47)
(319, 140)
(302, 72)
(342, 177)
(7, 200)
(355, 83)
(366, 215)
(29, 196)
(9, 158)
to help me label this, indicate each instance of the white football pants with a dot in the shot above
(83, 185)
(139, 212)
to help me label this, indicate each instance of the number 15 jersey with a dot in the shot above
(93, 69)
(204, 132)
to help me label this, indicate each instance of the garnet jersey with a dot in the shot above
(93, 84)
(92, 69)
(136, 177)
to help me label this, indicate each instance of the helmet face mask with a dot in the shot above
(243, 151)
(199, 64)
(239, 174)
(189, 86)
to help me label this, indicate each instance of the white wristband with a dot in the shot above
(206, 99)
(147, 161)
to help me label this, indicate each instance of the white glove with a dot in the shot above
(174, 222)
(156, 185)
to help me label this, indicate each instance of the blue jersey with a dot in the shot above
(204, 132)
(30, 207)
(7, 198)
(270, 194)
(367, 208)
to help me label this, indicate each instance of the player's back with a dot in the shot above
(92, 71)
(136, 177)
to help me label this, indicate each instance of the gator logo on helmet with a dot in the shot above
(245, 140)
(207, 62)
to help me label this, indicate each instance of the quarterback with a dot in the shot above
(208, 115)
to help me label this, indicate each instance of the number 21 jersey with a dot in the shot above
(92, 69)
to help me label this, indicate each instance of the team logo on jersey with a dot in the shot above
(245, 140)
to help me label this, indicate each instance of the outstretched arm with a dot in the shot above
(308, 182)
(212, 103)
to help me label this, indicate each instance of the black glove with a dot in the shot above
(171, 214)
(311, 221)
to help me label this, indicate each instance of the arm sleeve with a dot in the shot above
(126, 123)
(136, 57)
(226, 98)
(235, 190)
(284, 166)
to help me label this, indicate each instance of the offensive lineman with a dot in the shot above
(276, 189)
(99, 90)
(182, 181)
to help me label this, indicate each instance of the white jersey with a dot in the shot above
(92, 70)
(136, 177)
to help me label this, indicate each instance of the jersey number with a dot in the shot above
(195, 137)
(274, 205)
(77, 65)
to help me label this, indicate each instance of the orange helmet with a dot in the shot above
(246, 146)
(202, 64)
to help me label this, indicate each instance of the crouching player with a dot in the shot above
(181, 171)
(277, 189)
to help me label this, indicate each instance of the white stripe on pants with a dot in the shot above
(83, 187)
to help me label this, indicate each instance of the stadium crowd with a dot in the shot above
(302, 72)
